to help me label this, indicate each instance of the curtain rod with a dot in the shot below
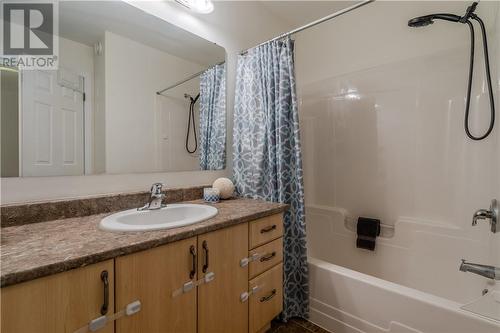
(312, 24)
(187, 79)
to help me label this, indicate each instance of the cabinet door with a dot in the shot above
(62, 302)
(219, 306)
(150, 277)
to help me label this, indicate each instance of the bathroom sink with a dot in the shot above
(171, 216)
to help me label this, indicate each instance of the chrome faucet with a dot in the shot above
(155, 201)
(490, 272)
(485, 214)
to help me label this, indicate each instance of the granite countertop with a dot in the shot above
(35, 250)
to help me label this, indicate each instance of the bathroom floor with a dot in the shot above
(295, 325)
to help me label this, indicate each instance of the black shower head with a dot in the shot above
(469, 15)
(423, 21)
(420, 21)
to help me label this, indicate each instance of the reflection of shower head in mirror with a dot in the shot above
(191, 98)
(191, 122)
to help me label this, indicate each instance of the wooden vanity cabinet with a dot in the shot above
(151, 277)
(61, 302)
(266, 271)
(69, 301)
(219, 306)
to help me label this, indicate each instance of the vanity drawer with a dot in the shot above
(267, 302)
(265, 230)
(269, 255)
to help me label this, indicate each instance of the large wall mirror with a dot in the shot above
(132, 94)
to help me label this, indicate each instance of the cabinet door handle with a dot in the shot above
(205, 264)
(268, 297)
(268, 229)
(192, 250)
(105, 281)
(268, 256)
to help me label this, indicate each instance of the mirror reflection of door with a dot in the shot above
(9, 97)
(52, 124)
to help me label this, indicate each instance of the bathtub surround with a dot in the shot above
(19, 214)
(382, 127)
(267, 158)
(213, 118)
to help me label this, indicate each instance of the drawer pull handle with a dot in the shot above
(268, 229)
(268, 256)
(105, 281)
(192, 250)
(205, 248)
(268, 297)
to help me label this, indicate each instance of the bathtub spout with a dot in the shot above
(490, 272)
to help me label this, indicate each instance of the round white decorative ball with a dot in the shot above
(225, 187)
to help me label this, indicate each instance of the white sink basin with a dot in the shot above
(171, 216)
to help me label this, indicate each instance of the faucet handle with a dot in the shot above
(481, 214)
(492, 214)
(156, 188)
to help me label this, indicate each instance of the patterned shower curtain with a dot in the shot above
(267, 155)
(213, 118)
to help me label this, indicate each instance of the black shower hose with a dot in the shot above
(191, 119)
(488, 79)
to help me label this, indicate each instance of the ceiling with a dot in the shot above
(86, 21)
(299, 13)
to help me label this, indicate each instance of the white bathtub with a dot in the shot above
(406, 288)
(343, 300)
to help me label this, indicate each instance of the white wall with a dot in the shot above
(232, 29)
(382, 111)
(134, 73)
